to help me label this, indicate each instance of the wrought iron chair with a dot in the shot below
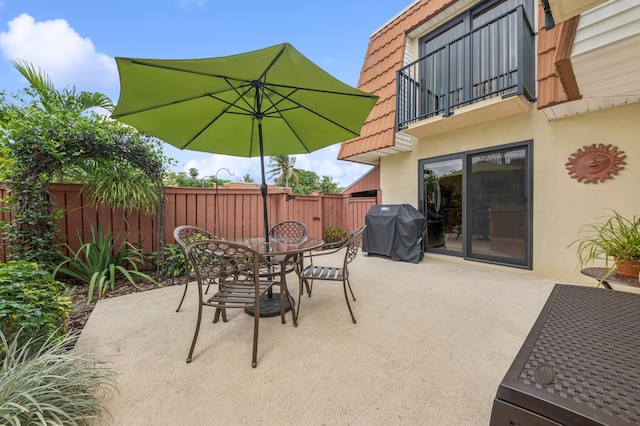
(277, 267)
(184, 235)
(238, 272)
(289, 231)
(308, 274)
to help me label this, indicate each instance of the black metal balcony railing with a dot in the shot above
(496, 59)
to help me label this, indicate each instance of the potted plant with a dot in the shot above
(616, 241)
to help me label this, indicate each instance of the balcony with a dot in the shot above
(495, 60)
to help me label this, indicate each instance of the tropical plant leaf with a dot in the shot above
(100, 262)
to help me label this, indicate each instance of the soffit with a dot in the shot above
(606, 50)
(604, 59)
(565, 9)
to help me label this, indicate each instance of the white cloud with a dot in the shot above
(55, 47)
(209, 164)
(72, 60)
(322, 162)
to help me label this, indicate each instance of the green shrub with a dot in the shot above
(335, 234)
(100, 262)
(43, 382)
(174, 263)
(31, 300)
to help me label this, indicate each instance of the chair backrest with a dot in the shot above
(187, 234)
(223, 259)
(289, 231)
(354, 243)
(184, 235)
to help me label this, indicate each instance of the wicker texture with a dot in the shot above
(588, 352)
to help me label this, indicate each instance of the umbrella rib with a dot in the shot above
(310, 89)
(278, 112)
(263, 77)
(174, 102)
(278, 96)
(182, 70)
(241, 96)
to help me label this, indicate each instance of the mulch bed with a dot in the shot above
(82, 311)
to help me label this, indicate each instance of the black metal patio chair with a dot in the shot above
(237, 271)
(184, 235)
(314, 272)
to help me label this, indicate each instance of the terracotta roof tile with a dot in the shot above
(556, 81)
(385, 55)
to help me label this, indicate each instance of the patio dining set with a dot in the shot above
(242, 273)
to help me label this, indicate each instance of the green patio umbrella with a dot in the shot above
(272, 101)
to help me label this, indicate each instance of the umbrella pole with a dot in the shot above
(263, 185)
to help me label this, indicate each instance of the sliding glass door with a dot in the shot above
(442, 204)
(478, 204)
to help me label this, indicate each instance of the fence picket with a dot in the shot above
(240, 213)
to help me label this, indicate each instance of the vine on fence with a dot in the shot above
(37, 144)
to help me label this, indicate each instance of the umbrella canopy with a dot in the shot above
(272, 101)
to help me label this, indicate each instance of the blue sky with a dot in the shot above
(75, 42)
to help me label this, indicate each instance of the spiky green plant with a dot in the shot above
(101, 261)
(47, 383)
(617, 236)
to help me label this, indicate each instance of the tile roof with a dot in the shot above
(556, 81)
(385, 55)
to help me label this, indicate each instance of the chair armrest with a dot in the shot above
(332, 248)
(335, 244)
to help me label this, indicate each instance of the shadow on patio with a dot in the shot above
(432, 343)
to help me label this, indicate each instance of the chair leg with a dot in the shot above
(218, 310)
(216, 317)
(256, 321)
(300, 287)
(303, 282)
(195, 336)
(294, 314)
(346, 297)
(283, 292)
(309, 286)
(184, 293)
(349, 285)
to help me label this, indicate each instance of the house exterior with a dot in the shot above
(509, 123)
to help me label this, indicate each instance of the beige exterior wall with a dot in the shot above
(561, 205)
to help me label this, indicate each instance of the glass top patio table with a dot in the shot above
(270, 303)
(277, 248)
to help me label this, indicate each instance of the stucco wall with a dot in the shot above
(561, 204)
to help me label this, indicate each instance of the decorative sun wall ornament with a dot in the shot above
(593, 163)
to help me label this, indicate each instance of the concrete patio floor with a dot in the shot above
(432, 343)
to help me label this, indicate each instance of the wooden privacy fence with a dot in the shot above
(233, 212)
